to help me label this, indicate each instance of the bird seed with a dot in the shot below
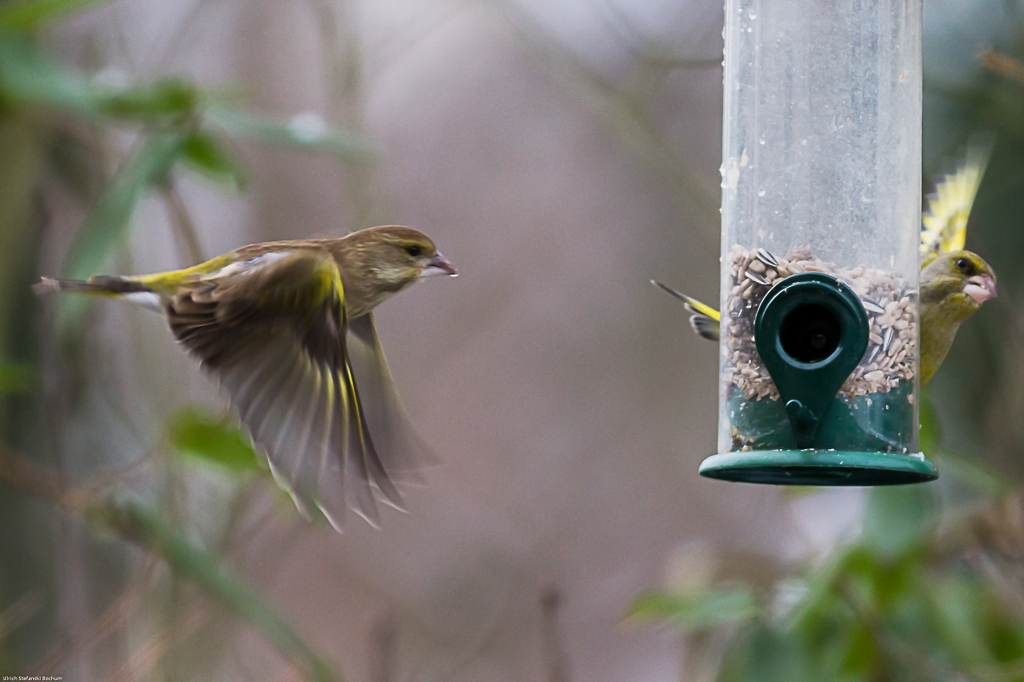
(892, 312)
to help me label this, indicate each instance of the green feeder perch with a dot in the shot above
(820, 222)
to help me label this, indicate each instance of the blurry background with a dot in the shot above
(561, 155)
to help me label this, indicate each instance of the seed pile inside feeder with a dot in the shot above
(890, 304)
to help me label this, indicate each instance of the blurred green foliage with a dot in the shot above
(144, 526)
(24, 15)
(179, 123)
(16, 377)
(197, 435)
(58, 123)
(695, 610)
(908, 601)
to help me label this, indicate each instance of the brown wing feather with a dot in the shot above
(408, 454)
(272, 330)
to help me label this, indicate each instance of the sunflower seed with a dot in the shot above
(755, 278)
(887, 338)
(767, 258)
(871, 306)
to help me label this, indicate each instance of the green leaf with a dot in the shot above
(170, 98)
(201, 436)
(27, 78)
(205, 155)
(763, 654)
(899, 518)
(30, 14)
(694, 611)
(16, 377)
(107, 224)
(304, 131)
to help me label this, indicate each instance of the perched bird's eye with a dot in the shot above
(413, 250)
(964, 265)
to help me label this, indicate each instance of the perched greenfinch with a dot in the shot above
(953, 287)
(953, 282)
(278, 325)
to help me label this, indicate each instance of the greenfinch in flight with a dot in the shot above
(278, 325)
(953, 282)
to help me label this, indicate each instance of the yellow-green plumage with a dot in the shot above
(953, 287)
(285, 327)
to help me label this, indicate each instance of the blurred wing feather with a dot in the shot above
(705, 327)
(944, 223)
(408, 454)
(272, 330)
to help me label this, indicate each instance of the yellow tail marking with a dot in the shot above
(692, 304)
(703, 308)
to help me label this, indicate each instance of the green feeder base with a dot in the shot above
(818, 467)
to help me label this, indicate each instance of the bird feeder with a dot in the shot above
(821, 215)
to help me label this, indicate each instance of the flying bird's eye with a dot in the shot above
(964, 265)
(413, 250)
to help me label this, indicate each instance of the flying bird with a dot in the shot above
(281, 326)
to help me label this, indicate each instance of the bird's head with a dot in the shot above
(380, 261)
(398, 255)
(959, 280)
(402, 254)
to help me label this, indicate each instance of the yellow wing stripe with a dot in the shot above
(692, 304)
(703, 309)
(944, 223)
(168, 282)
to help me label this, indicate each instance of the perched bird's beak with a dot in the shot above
(980, 288)
(439, 265)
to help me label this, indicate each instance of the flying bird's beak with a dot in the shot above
(439, 265)
(980, 288)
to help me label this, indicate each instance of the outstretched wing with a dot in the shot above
(272, 330)
(406, 453)
(944, 223)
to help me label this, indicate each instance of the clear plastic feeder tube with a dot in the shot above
(822, 172)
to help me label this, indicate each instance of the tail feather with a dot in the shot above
(50, 284)
(110, 285)
(705, 320)
(45, 286)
